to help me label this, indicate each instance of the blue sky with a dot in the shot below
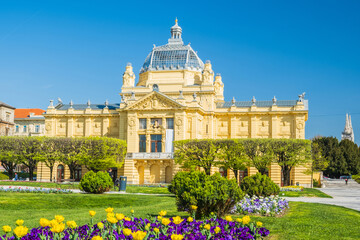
(79, 49)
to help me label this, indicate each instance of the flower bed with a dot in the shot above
(34, 190)
(292, 189)
(117, 226)
(268, 206)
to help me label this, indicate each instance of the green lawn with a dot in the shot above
(302, 221)
(314, 221)
(307, 192)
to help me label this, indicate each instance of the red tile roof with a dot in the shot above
(25, 112)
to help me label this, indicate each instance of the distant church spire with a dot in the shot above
(176, 34)
(348, 132)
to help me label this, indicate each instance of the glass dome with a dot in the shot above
(173, 56)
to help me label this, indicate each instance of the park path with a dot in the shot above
(343, 195)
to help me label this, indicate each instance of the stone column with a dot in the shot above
(87, 126)
(146, 172)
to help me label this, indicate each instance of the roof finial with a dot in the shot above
(176, 20)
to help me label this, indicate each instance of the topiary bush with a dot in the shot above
(4, 177)
(99, 182)
(259, 185)
(210, 194)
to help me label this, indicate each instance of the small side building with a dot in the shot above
(6, 119)
(29, 122)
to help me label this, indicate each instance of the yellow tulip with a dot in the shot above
(109, 210)
(239, 220)
(132, 211)
(100, 225)
(111, 214)
(228, 218)
(162, 213)
(6, 229)
(96, 238)
(53, 223)
(19, 222)
(71, 224)
(165, 221)
(59, 218)
(246, 220)
(138, 235)
(44, 222)
(259, 224)
(207, 226)
(119, 216)
(190, 219)
(127, 219)
(126, 231)
(193, 207)
(177, 220)
(217, 230)
(112, 220)
(58, 228)
(177, 237)
(159, 218)
(20, 231)
(156, 230)
(92, 213)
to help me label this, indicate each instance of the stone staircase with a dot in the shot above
(340, 183)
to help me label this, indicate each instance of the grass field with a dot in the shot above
(302, 221)
(307, 192)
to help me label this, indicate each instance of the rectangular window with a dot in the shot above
(37, 128)
(156, 122)
(156, 143)
(17, 128)
(142, 143)
(8, 117)
(170, 123)
(142, 123)
(25, 128)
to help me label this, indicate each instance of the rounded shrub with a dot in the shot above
(259, 185)
(99, 182)
(210, 194)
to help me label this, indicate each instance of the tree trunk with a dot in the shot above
(312, 177)
(286, 174)
(236, 176)
(9, 167)
(262, 171)
(31, 173)
(207, 171)
(51, 172)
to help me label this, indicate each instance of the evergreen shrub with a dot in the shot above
(210, 194)
(99, 182)
(259, 185)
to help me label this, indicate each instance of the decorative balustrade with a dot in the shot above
(152, 155)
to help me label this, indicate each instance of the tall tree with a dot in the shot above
(319, 161)
(290, 153)
(232, 156)
(100, 153)
(9, 155)
(196, 153)
(50, 153)
(259, 152)
(31, 151)
(352, 156)
(333, 153)
(70, 153)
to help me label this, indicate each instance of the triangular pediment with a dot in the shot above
(155, 101)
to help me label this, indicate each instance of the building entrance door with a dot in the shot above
(60, 173)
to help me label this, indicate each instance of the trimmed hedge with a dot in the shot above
(99, 182)
(211, 194)
(259, 185)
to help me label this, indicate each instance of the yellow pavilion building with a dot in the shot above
(176, 97)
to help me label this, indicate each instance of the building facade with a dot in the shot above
(29, 122)
(6, 119)
(177, 97)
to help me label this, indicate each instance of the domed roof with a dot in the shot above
(173, 56)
